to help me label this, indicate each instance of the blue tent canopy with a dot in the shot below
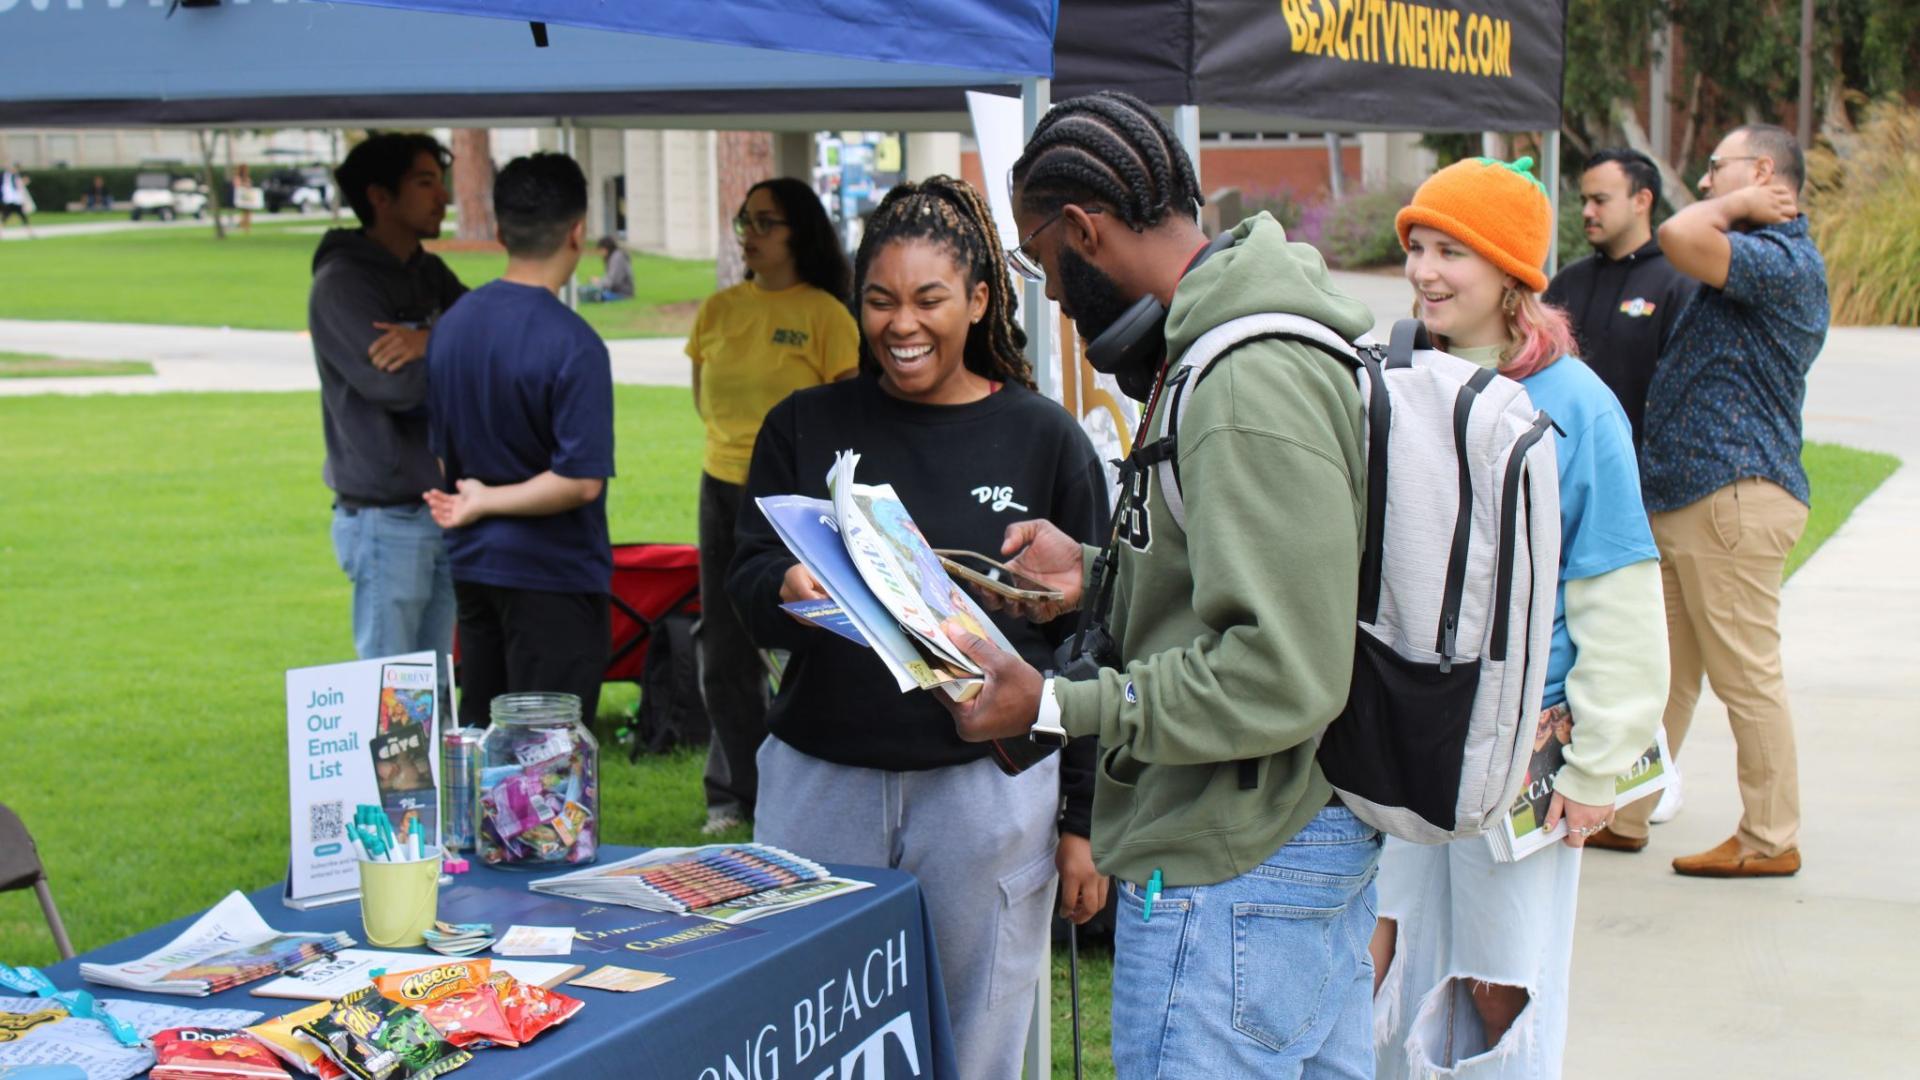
(280, 60)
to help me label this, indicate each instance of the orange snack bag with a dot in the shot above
(429, 984)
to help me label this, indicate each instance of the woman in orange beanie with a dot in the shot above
(1471, 955)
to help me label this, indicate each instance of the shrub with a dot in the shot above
(1357, 230)
(1864, 207)
(1279, 202)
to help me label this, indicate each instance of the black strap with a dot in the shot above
(1446, 637)
(1249, 774)
(1379, 427)
(1509, 527)
(1408, 335)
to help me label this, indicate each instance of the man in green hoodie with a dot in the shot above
(1245, 887)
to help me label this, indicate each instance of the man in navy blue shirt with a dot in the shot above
(521, 395)
(1721, 474)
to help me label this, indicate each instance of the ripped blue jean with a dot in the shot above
(1263, 975)
(1463, 917)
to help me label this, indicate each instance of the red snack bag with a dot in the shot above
(531, 1009)
(198, 1053)
(473, 1019)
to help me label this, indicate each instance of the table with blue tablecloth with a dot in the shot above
(847, 988)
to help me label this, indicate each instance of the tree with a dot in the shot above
(741, 160)
(212, 179)
(473, 184)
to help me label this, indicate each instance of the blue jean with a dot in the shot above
(1265, 974)
(402, 583)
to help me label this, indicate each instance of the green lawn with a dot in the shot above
(259, 281)
(164, 558)
(15, 365)
(1841, 478)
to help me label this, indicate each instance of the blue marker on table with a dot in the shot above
(1153, 893)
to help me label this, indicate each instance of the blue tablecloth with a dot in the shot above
(848, 989)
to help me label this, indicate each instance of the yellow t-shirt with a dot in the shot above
(750, 349)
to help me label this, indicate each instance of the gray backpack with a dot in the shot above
(1457, 579)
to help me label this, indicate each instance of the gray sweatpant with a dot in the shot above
(980, 842)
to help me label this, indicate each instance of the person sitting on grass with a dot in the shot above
(617, 284)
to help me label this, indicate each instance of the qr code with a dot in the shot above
(324, 820)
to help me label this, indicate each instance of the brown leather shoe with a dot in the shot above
(1613, 841)
(1726, 861)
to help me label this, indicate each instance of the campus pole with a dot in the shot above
(1036, 97)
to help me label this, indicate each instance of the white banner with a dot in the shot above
(363, 732)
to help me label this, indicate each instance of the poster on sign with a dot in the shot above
(361, 733)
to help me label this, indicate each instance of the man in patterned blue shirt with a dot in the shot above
(1721, 474)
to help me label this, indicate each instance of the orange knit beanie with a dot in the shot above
(1494, 207)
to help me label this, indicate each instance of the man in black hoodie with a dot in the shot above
(376, 294)
(1625, 298)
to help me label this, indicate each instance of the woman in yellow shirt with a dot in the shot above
(785, 328)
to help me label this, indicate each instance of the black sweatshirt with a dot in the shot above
(965, 472)
(1623, 312)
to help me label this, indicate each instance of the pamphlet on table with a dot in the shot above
(360, 732)
(730, 883)
(36, 1031)
(228, 946)
(354, 968)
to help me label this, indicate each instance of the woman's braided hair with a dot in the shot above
(952, 214)
(1113, 149)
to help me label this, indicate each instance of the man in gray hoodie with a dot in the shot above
(376, 294)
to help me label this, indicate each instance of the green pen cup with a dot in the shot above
(399, 900)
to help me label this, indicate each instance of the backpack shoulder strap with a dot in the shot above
(1199, 359)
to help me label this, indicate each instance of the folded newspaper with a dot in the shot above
(1523, 831)
(731, 883)
(37, 1036)
(229, 945)
(885, 580)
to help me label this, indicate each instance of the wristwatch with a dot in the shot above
(1047, 729)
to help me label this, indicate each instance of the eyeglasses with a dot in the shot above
(1714, 162)
(1023, 261)
(757, 224)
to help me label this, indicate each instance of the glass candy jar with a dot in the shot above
(539, 784)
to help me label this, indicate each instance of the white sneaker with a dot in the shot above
(1670, 802)
(719, 821)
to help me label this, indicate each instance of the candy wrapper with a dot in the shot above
(531, 1009)
(427, 985)
(472, 1019)
(201, 1053)
(376, 1039)
(277, 1035)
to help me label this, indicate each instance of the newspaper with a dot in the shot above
(35, 1032)
(732, 883)
(885, 579)
(229, 945)
(1522, 831)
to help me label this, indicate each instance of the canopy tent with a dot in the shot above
(248, 62)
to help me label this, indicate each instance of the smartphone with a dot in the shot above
(996, 577)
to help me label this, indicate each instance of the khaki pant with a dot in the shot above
(1720, 562)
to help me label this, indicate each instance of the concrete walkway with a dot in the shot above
(1812, 976)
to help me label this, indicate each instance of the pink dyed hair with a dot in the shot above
(1538, 333)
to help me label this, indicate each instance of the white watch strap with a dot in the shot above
(1049, 718)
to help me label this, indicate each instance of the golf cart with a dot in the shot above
(168, 196)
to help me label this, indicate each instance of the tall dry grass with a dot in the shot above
(1864, 205)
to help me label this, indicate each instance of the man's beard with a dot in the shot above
(1088, 296)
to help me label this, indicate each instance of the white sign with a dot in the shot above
(358, 733)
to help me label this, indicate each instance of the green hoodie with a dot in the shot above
(1236, 633)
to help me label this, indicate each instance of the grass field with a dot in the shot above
(164, 558)
(15, 365)
(259, 281)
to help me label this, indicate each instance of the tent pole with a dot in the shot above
(1186, 128)
(1550, 174)
(1336, 174)
(1036, 96)
(570, 292)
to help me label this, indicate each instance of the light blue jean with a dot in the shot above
(402, 582)
(1266, 974)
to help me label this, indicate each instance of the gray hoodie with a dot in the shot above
(375, 422)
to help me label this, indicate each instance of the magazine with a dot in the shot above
(887, 583)
(741, 881)
(37, 1032)
(1521, 832)
(229, 945)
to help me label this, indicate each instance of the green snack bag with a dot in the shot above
(373, 1038)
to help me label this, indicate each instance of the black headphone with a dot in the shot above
(1134, 348)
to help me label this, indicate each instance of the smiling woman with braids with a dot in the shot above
(854, 771)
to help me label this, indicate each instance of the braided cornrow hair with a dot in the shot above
(951, 213)
(1112, 148)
